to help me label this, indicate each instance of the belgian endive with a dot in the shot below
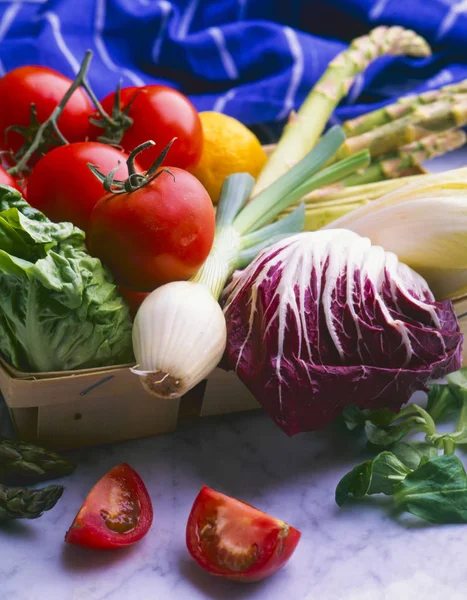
(425, 224)
(179, 333)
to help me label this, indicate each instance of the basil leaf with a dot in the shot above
(414, 453)
(436, 491)
(382, 475)
(441, 401)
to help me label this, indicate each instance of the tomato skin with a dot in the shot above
(132, 298)
(159, 233)
(62, 186)
(45, 88)
(160, 113)
(7, 179)
(89, 528)
(276, 546)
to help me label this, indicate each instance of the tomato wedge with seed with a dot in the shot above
(232, 539)
(117, 512)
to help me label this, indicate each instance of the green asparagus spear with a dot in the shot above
(402, 107)
(302, 132)
(21, 461)
(21, 503)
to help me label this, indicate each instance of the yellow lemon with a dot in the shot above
(229, 147)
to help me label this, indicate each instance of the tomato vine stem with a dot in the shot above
(49, 127)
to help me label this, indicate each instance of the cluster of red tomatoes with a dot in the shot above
(160, 232)
(225, 536)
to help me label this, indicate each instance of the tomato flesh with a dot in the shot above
(159, 233)
(62, 186)
(117, 512)
(45, 88)
(159, 113)
(229, 538)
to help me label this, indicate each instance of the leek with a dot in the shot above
(179, 333)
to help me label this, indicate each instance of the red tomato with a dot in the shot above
(132, 298)
(159, 114)
(116, 513)
(229, 538)
(45, 88)
(62, 186)
(159, 233)
(7, 179)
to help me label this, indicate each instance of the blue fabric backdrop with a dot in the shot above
(253, 59)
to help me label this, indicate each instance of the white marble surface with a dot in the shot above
(359, 552)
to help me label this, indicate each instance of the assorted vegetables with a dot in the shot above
(341, 321)
(171, 368)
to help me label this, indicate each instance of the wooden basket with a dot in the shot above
(72, 409)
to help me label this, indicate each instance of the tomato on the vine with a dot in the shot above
(62, 186)
(159, 113)
(44, 88)
(229, 538)
(162, 231)
(117, 512)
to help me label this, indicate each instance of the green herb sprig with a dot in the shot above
(419, 479)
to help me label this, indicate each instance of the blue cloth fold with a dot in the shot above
(252, 59)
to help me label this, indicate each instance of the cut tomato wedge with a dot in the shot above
(232, 539)
(117, 512)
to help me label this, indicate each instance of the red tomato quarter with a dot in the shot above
(45, 88)
(158, 233)
(159, 113)
(229, 538)
(116, 513)
(62, 186)
(7, 179)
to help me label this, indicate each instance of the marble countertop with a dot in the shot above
(359, 552)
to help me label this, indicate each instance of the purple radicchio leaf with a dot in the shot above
(323, 320)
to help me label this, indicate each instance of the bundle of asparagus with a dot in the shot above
(399, 136)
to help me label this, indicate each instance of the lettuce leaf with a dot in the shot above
(59, 308)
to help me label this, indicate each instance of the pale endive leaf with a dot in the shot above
(426, 226)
